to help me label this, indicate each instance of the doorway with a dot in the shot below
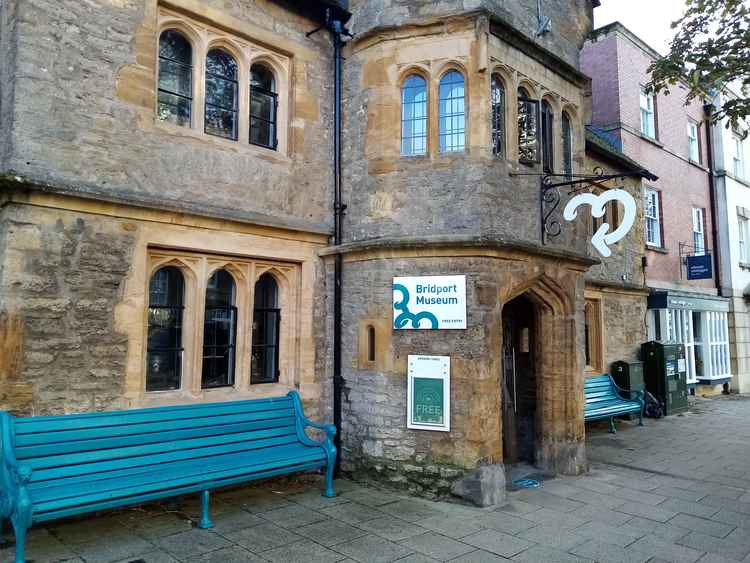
(518, 386)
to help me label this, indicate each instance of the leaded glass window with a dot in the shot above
(498, 116)
(567, 144)
(221, 94)
(164, 346)
(219, 331)
(548, 145)
(528, 125)
(414, 116)
(266, 331)
(263, 107)
(175, 95)
(452, 112)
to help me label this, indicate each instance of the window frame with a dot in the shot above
(190, 68)
(273, 121)
(566, 131)
(656, 217)
(178, 350)
(231, 346)
(275, 311)
(532, 108)
(458, 133)
(235, 110)
(650, 114)
(594, 348)
(694, 146)
(738, 156)
(413, 119)
(743, 236)
(547, 136)
(699, 231)
(498, 113)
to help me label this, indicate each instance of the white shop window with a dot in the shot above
(705, 337)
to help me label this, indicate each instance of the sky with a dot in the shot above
(648, 19)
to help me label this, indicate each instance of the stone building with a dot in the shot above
(670, 139)
(166, 186)
(442, 175)
(168, 172)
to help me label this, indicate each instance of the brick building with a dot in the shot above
(168, 176)
(669, 139)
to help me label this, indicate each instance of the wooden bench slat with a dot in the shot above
(26, 452)
(54, 472)
(146, 497)
(154, 478)
(120, 418)
(61, 436)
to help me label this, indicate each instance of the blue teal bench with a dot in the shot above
(58, 466)
(604, 399)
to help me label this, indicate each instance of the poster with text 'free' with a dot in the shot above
(428, 393)
(429, 302)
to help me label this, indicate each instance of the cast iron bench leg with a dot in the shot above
(612, 428)
(20, 532)
(329, 478)
(205, 522)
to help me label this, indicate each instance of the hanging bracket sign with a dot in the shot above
(428, 393)
(429, 302)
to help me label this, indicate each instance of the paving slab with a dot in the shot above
(437, 546)
(113, 548)
(391, 528)
(554, 537)
(504, 522)
(703, 525)
(735, 547)
(646, 511)
(352, 512)
(609, 534)
(540, 553)
(455, 527)
(652, 546)
(373, 549)
(689, 507)
(608, 553)
(263, 537)
(232, 554)
(303, 552)
(330, 532)
(411, 510)
(498, 543)
(479, 556)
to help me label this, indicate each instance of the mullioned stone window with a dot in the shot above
(221, 85)
(216, 323)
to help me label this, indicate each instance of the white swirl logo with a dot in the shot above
(602, 237)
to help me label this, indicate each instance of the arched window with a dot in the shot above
(266, 331)
(567, 144)
(221, 94)
(263, 107)
(528, 134)
(498, 115)
(548, 144)
(452, 112)
(414, 116)
(219, 331)
(164, 349)
(175, 96)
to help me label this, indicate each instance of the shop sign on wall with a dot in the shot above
(429, 302)
(428, 393)
(699, 267)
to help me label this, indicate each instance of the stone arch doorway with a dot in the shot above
(518, 381)
(547, 309)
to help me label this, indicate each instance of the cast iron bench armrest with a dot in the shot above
(639, 395)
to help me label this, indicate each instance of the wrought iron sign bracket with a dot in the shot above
(550, 196)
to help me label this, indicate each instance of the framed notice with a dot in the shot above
(429, 302)
(428, 393)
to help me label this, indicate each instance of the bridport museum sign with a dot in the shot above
(429, 302)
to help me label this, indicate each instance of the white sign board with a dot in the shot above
(429, 302)
(429, 393)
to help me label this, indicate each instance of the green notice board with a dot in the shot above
(428, 387)
(427, 405)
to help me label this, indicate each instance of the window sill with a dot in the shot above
(651, 140)
(659, 249)
(219, 142)
(697, 164)
(744, 265)
(219, 394)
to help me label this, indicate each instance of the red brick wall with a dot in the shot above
(683, 185)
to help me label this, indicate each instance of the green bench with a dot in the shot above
(57, 466)
(604, 399)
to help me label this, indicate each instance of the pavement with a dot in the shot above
(676, 490)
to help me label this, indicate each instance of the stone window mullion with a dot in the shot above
(193, 381)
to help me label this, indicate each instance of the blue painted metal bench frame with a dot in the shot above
(604, 400)
(57, 466)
